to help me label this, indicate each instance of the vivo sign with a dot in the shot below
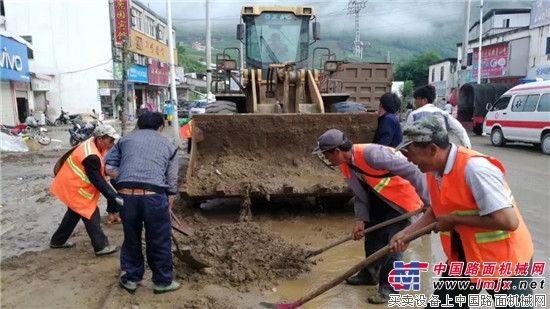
(14, 64)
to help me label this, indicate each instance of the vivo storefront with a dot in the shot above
(14, 80)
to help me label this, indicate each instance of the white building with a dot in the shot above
(539, 47)
(505, 46)
(73, 54)
(442, 76)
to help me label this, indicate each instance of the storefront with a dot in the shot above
(138, 75)
(158, 84)
(14, 80)
(40, 86)
(108, 90)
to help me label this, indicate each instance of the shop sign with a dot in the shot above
(40, 84)
(144, 45)
(440, 87)
(122, 21)
(104, 92)
(159, 76)
(136, 73)
(540, 13)
(14, 63)
(21, 86)
(494, 61)
(112, 84)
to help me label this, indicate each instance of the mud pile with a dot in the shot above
(243, 255)
(268, 154)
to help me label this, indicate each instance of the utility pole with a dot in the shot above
(480, 42)
(464, 61)
(208, 53)
(354, 7)
(121, 113)
(173, 92)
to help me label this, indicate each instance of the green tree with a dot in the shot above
(189, 64)
(417, 69)
(406, 94)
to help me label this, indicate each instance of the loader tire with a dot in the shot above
(221, 107)
(348, 107)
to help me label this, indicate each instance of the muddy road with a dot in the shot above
(34, 276)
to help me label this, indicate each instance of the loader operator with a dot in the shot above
(476, 214)
(78, 184)
(385, 185)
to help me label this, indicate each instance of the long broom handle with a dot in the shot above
(373, 257)
(366, 231)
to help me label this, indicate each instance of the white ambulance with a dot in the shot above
(522, 114)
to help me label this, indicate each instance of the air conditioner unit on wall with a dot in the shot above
(149, 61)
(161, 65)
(136, 57)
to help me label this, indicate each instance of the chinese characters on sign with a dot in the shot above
(494, 61)
(159, 73)
(150, 47)
(121, 20)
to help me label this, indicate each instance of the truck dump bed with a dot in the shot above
(267, 155)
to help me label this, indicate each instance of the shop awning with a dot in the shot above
(41, 76)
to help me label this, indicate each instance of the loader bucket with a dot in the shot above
(267, 154)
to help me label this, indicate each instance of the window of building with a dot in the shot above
(2, 11)
(150, 27)
(433, 74)
(137, 19)
(441, 73)
(469, 59)
(548, 45)
(506, 23)
(30, 53)
(544, 104)
(161, 36)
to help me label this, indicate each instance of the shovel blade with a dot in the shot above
(191, 259)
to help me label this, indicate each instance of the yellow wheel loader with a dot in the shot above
(256, 139)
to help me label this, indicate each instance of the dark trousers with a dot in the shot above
(93, 227)
(152, 213)
(112, 206)
(376, 240)
(189, 143)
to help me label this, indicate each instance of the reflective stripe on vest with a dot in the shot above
(85, 194)
(485, 237)
(392, 188)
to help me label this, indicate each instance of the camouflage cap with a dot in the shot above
(427, 129)
(106, 130)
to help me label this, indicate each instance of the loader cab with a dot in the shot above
(276, 35)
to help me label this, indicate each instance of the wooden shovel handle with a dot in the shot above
(366, 231)
(371, 258)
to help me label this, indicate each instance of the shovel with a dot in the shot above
(334, 282)
(188, 257)
(365, 231)
(183, 228)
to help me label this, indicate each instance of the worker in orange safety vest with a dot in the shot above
(78, 184)
(477, 217)
(386, 186)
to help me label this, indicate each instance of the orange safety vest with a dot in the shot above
(480, 245)
(393, 188)
(186, 130)
(71, 184)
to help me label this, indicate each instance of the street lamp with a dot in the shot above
(480, 41)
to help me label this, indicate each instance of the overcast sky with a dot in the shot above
(382, 17)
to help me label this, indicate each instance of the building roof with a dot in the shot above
(446, 60)
(501, 12)
(146, 8)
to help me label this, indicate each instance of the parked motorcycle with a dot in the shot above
(82, 132)
(29, 129)
(65, 118)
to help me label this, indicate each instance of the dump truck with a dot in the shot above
(255, 140)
